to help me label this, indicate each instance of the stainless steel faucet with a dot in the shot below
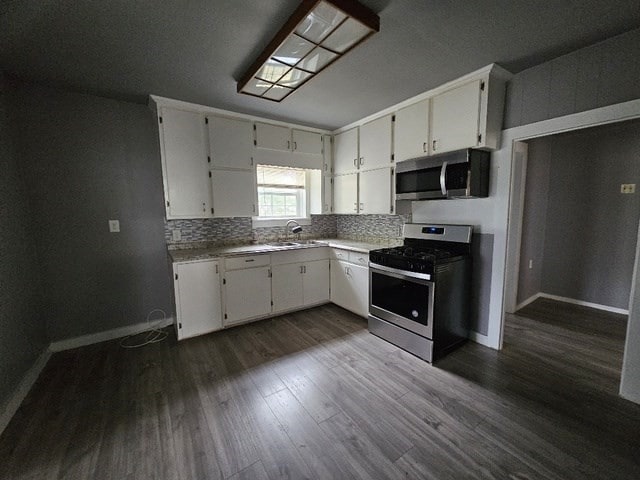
(296, 229)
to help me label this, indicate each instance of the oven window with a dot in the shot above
(402, 297)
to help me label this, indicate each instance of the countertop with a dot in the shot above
(192, 254)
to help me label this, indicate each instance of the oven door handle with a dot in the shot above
(399, 273)
(443, 178)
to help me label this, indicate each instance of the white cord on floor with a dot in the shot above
(153, 335)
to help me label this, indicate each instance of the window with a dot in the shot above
(282, 192)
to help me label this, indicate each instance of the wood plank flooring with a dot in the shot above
(314, 395)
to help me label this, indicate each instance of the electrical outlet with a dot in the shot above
(176, 235)
(628, 188)
(114, 226)
(530, 264)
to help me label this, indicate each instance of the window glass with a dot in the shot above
(281, 192)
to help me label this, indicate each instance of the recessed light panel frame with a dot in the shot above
(317, 34)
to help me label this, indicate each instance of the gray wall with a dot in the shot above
(534, 220)
(86, 160)
(22, 330)
(591, 228)
(602, 74)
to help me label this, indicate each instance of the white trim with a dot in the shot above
(598, 306)
(480, 338)
(84, 340)
(23, 388)
(156, 101)
(492, 68)
(529, 300)
(630, 396)
(630, 378)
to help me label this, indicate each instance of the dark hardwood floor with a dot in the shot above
(314, 395)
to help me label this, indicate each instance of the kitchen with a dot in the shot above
(99, 283)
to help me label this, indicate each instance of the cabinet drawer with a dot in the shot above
(301, 255)
(246, 261)
(338, 254)
(359, 258)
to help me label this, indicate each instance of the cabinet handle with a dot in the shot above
(204, 207)
(216, 268)
(301, 269)
(361, 161)
(295, 145)
(254, 208)
(355, 207)
(288, 145)
(433, 145)
(250, 260)
(424, 147)
(362, 206)
(355, 162)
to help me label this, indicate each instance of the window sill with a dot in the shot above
(257, 222)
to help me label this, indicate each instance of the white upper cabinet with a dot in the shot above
(375, 191)
(306, 143)
(183, 146)
(455, 118)
(345, 193)
(230, 142)
(411, 135)
(234, 193)
(345, 152)
(375, 143)
(273, 137)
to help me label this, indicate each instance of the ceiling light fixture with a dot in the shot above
(316, 35)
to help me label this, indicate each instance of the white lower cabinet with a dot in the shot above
(350, 286)
(286, 286)
(197, 294)
(247, 290)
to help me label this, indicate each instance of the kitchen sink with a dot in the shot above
(282, 244)
(308, 242)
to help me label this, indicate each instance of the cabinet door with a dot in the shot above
(345, 152)
(359, 280)
(342, 292)
(198, 306)
(315, 280)
(345, 193)
(184, 152)
(230, 142)
(375, 144)
(411, 134)
(375, 191)
(248, 294)
(286, 286)
(455, 118)
(234, 193)
(273, 137)
(309, 143)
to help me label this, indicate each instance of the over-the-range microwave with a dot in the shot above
(459, 174)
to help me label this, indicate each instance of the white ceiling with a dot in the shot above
(195, 50)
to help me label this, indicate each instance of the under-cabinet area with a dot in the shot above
(226, 289)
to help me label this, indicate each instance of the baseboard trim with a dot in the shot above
(84, 340)
(481, 339)
(631, 397)
(598, 306)
(23, 388)
(529, 300)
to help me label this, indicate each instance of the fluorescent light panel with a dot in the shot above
(316, 35)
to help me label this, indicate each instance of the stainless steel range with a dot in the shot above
(419, 292)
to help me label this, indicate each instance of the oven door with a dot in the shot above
(402, 298)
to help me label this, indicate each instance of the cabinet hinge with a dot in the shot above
(225, 316)
(211, 210)
(392, 171)
(224, 281)
(176, 276)
(393, 157)
(255, 143)
(206, 120)
(272, 303)
(209, 174)
(391, 208)
(160, 119)
(393, 118)
(331, 183)
(168, 204)
(180, 325)
(480, 138)
(208, 159)
(482, 86)
(254, 127)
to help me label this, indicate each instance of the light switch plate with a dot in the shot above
(628, 188)
(114, 226)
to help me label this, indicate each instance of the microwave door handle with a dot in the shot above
(443, 178)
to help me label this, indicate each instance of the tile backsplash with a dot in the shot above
(238, 230)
